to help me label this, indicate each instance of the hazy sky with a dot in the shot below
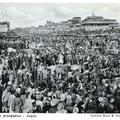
(29, 14)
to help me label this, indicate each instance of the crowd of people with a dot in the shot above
(62, 72)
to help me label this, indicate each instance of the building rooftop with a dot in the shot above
(4, 26)
(98, 20)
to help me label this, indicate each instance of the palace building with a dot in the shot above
(98, 23)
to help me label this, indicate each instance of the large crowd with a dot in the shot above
(61, 72)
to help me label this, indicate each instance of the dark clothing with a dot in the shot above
(46, 108)
(1, 92)
(5, 78)
(53, 110)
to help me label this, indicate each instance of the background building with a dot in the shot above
(98, 23)
(4, 26)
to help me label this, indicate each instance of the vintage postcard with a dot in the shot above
(59, 58)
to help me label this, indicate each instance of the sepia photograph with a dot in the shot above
(60, 58)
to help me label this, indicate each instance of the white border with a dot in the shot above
(61, 116)
(61, 1)
(57, 116)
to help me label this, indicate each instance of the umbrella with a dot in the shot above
(75, 67)
(11, 50)
(117, 81)
(86, 63)
(105, 81)
(29, 51)
(32, 45)
(41, 44)
(60, 69)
